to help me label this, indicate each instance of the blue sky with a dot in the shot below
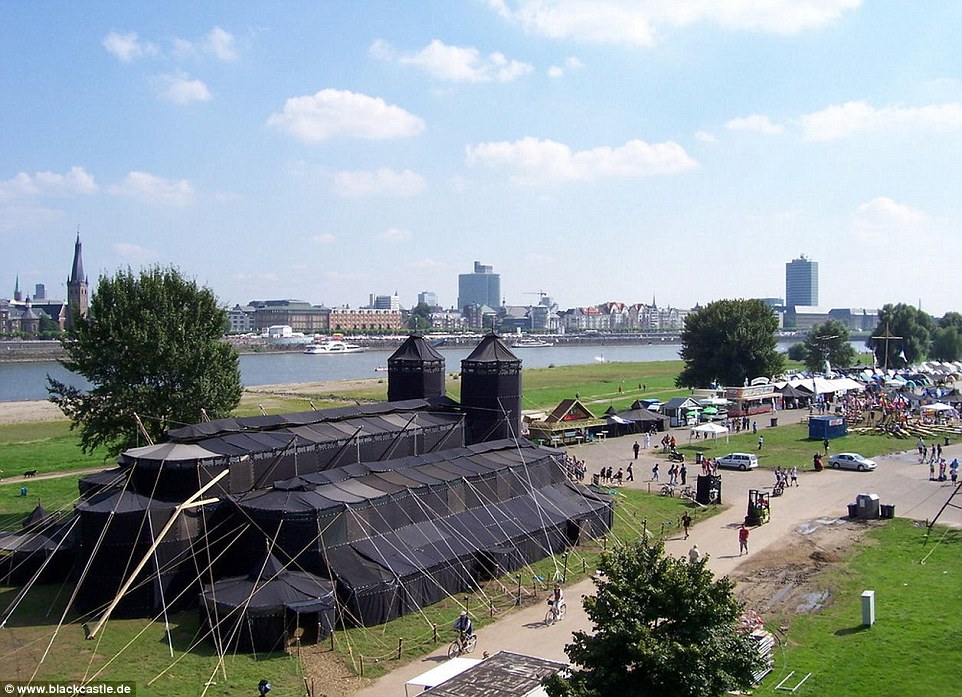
(593, 149)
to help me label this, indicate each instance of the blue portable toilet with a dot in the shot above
(827, 427)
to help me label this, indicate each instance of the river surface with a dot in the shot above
(28, 381)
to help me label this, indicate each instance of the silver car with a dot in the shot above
(851, 461)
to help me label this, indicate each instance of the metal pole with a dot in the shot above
(189, 503)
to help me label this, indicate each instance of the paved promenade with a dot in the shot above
(899, 480)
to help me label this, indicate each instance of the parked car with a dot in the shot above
(738, 461)
(851, 461)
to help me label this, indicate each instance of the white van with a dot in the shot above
(738, 461)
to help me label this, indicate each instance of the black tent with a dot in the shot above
(401, 534)
(270, 605)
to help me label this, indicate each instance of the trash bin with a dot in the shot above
(699, 458)
(887, 510)
(852, 510)
(595, 479)
(774, 421)
(946, 441)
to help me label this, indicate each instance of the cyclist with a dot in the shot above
(464, 626)
(557, 600)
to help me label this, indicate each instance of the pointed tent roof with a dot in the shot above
(569, 410)
(491, 349)
(416, 349)
(39, 518)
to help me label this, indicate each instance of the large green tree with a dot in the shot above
(946, 344)
(729, 341)
(420, 318)
(903, 336)
(151, 346)
(662, 626)
(828, 342)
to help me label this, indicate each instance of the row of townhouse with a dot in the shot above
(305, 318)
(621, 317)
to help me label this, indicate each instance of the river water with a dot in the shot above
(28, 381)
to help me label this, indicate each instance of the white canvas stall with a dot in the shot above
(713, 429)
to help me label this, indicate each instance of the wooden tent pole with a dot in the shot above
(189, 503)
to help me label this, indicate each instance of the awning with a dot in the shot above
(438, 674)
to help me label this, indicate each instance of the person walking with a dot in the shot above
(683, 472)
(636, 448)
(686, 523)
(647, 441)
(761, 442)
(631, 474)
(654, 473)
(743, 540)
(794, 476)
(693, 554)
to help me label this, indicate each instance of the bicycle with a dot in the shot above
(687, 493)
(668, 490)
(463, 644)
(555, 614)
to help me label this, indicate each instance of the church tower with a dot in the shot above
(77, 292)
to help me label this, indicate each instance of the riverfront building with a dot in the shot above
(801, 282)
(481, 288)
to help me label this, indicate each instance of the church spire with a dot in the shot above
(78, 300)
(16, 290)
(77, 271)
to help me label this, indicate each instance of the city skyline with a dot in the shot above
(682, 151)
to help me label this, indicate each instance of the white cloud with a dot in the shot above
(843, 120)
(758, 123)
(220, 44)
(128, 47)
(537, 162)
(393, 234)
(642, 22)
(75, 181)
(383, 182)
(323, 238)
(705, 137)
(884, 220)
(217, 43)
(152, 189)
(180, 89)
(454, 63)
(571, 63)
(337, 113)
(134, 254)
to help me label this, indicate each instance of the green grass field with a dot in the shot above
(912, 650)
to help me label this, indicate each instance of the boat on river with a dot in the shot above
(333, 346)
(531, 342)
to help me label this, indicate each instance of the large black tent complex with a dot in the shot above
(388, 506)
(401, 534)
(264, 609)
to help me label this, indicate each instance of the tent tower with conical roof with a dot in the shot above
(491, 392)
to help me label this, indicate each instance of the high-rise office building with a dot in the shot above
(483, 287)
(429, 298)
(801, 282)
